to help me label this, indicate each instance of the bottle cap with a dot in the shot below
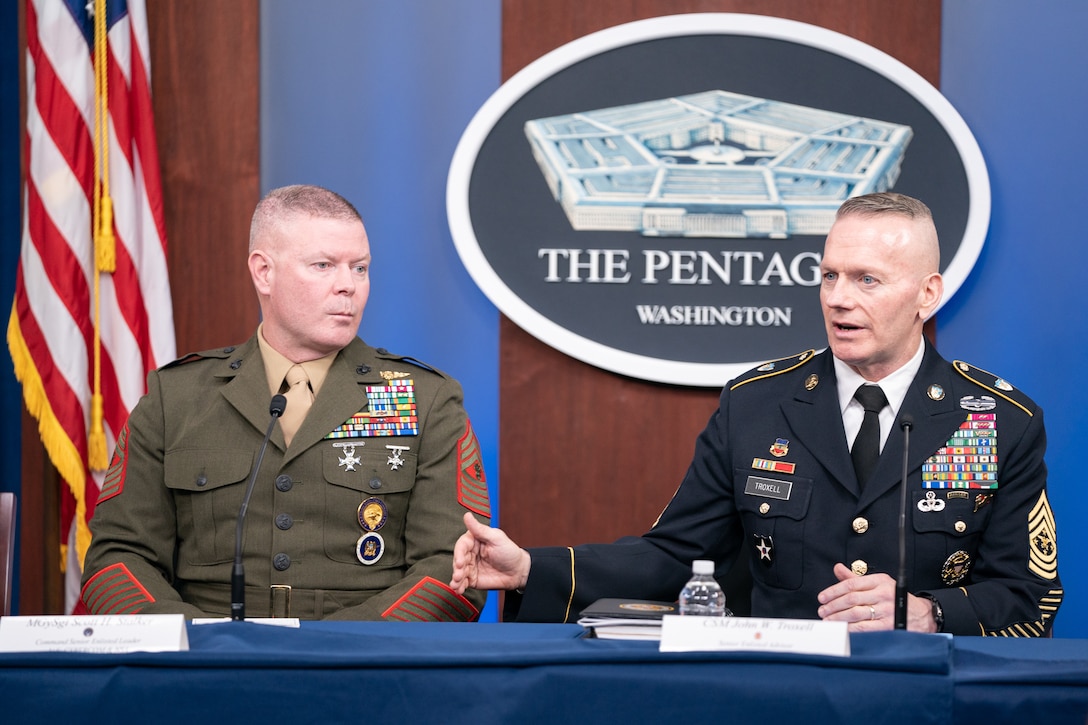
(702, 566)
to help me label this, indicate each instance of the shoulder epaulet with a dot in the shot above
(996, 385)
(385, 354)
(218, 353)
(772, 368)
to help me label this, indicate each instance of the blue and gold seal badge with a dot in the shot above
(372, 516)
(369, 548)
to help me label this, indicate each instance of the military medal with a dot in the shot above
(395, 461)
(372, 514)
(968, 459)
(369, 548)
(765, 548)
(390, 411)
(349, 461)
(764, 464)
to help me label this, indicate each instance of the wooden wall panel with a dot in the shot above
(205, 83)
(588, 455)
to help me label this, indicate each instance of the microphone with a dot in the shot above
(905, 423)
(238, 574)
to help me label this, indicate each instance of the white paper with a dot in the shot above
(93, 633)
(277, 621)
(731, 634)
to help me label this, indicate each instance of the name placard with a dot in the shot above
(93, 633)
(731, 634)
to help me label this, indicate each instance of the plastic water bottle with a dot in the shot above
(702, 596)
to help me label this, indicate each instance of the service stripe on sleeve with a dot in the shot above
(115, 590)
(114, 482)
(471, 480)
(432, 601)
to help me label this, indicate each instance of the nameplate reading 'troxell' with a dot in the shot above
(95, 634)
(733, 634)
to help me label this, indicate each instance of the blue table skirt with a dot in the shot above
(524, 673)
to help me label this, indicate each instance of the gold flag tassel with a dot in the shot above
(105, 252)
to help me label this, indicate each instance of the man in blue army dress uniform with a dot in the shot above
(361, 492)
(795, 473)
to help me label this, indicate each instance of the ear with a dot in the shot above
(262, 270)
(930, 295)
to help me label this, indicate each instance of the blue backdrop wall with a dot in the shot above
(370, 99)
(1013, 70)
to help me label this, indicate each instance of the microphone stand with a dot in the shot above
(901, 582)
(238, 574)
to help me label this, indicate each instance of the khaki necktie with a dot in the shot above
(299, 399)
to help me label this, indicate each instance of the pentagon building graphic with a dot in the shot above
(713, 164)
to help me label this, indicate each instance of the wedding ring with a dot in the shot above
(872, 613)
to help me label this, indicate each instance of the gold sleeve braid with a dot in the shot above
(570, 599)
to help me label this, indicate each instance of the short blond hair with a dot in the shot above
(884, 202)
(287, 202)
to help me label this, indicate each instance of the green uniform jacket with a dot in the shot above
(165, 524)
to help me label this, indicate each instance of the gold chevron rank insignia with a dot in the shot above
(1043, 558)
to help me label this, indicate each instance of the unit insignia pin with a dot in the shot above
(1043, 543)
(930, 503)
(955, 567)
(970, 402)
(372, 514)
(812, 381)
(369, 548)
(981, 500)
(935, 392)
(780, 447)
(1002, 384)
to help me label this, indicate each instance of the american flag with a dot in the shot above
(92, 312)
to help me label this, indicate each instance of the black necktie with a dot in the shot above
(866, 448)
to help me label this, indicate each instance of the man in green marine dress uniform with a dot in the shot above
(361, 492)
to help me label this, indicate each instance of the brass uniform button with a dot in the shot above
(961, 526)
(859, 567)
(861, 525)
(764, 508)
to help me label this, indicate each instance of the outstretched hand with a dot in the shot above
(486, 558)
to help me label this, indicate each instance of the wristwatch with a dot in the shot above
(938, 611)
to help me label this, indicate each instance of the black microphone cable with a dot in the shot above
(238, 574)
